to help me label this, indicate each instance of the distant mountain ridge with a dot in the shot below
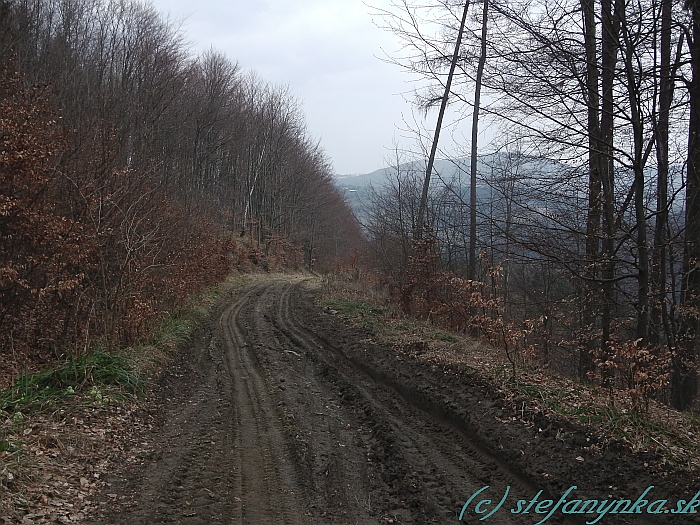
(445, 168)
(449, 169)
(357, 188)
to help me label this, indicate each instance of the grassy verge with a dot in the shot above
(83, 375)
(123, 374)
(659, 428)
(373, 318)
(60, 429)
(672, 434)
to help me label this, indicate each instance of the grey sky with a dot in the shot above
(326, 52)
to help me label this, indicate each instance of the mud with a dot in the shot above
(278, 412)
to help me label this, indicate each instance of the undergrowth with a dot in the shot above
(655, 428)
(373, 317)
(60, 424)
(74, 375)
(99, 376)
(641, 426)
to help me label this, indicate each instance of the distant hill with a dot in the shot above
(445, 168)
(357, 187)
(454, 168)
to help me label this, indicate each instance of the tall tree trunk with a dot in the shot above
(431, 160)
(684, 380)
(475, 143)
(659, 308)
(611, 29)
(638, 162)
(594, 182)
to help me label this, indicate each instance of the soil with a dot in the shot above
(280, 412)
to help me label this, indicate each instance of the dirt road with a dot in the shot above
(280, 413)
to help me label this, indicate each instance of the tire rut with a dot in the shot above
(221, 450)
(264, 479)
(437, 460)
(276, 414)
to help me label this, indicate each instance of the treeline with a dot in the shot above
(587, 216)
(132, 174)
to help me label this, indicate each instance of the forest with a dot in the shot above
(571, 234)
(195, 326)
(133, 174)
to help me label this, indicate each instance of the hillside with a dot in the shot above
(133, 174)
(492, 168)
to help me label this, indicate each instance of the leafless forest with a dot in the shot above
(576, 243)
(131, 173)
(136, 178)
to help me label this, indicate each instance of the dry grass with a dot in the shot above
(659, 428)
(55, 453)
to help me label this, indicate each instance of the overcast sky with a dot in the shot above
(327, 52)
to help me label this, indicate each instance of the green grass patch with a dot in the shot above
(442, 336)
(372, 317)
(355, 307)
(10, 446)
(87, 373)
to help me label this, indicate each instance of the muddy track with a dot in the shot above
(262, 474)
(279, 413)
(428, 460)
